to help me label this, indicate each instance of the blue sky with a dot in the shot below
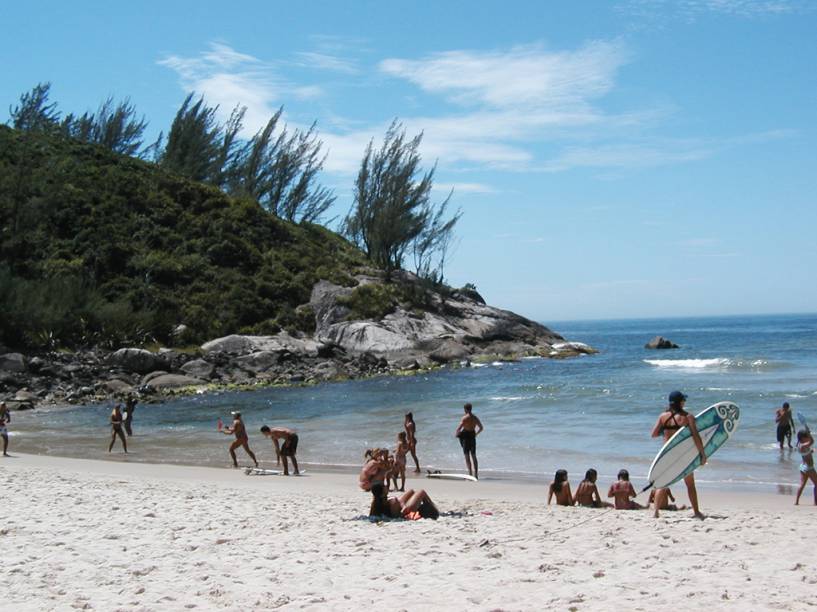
(641, 158)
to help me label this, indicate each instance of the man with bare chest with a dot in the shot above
(469, 428)
(286, 450)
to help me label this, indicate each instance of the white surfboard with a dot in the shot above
(679, 456)
(251, 471)
(451, 476)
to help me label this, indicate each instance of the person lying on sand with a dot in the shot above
(287, 449)
(667, 505)
(587, 493)
(623, 492)
(561, 489)
(241, 438)
(411, 505)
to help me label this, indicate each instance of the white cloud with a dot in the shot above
(464, 187)
(662, 11)
(324, 61)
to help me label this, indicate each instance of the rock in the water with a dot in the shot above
(13, 362)
(137, 360)
(199, 368)
(173, 381)
(659, 342)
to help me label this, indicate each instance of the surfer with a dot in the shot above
(785, 424)
(467, 431)
(670, 421)
(622, 492)
(285, 450)
(805, 446)
(411, 438)
(241, 438)
(5, 419)
(116, 428)
(587, 493)
(560, 488)
(411, 505)
(130, 407)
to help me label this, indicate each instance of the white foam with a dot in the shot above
(718, 362)
(508, 399)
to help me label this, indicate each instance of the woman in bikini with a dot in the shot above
(411, 505)
(400, 460)
(805, 446)
(560, 488)
(116, 428)
(411, 439)
(587, 493)
(668, 423)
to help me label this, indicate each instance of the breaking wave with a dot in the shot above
(717, 363)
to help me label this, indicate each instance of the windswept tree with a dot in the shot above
(194, 141)
(35, 113)
(114, 126)
(392, 210)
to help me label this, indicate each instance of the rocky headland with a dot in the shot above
(454, 329)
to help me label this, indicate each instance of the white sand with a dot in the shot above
(99, 535)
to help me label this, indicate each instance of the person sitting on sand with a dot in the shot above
(116, 428)
(785, 424)
(623, 492)
(411, 438)
(587, 493)
(672, 507)
(241, 438)
(400, 461)
(560, 488)
(287, 449)
(411, 505)
(805, 446)
(669, 422)
(5, 419)
(374, 470)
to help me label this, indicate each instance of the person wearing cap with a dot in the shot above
(285, 450)
(241, 438)
(785, 424)
(670, 421)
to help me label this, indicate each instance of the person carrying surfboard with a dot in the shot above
(669, 422)
(467, 431)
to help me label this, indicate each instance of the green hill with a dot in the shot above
(102, 249)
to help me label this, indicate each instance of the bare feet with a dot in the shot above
(699, 515)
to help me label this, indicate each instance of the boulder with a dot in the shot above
(244, 345)
(24, 395)
(137, 360)
(659, 342)
(148, 377)
(173, 381)
(449, 350)
(116, 387)
(260, 361)
(199, 368)
(12, 362)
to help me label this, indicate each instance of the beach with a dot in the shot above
(88, 534)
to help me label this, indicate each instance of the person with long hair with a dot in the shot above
(670, 421)
(411, 438)
(587, 493)
(805, 446)
(560, 489)
(116, 428)
(411, 505)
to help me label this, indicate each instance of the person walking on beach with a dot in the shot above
(411, 438)
(116, 428)
(130, 407)
(670, 421)
(785, 424)
(241, 438)
(287, 449)
(805, 446)
(467, 431)
(5, 419)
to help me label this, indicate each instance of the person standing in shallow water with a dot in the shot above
(130, 407)
(785, 424)
(467, 431)
(5, 419)
(670, 421)
(411, 439)
(241, 439)
(116, 428)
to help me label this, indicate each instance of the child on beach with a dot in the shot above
(561, 489)
(623, 492)
(400, 460)
(672, 507)
(587, 493)
(805, 446)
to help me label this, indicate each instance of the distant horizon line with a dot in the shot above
(684, 317)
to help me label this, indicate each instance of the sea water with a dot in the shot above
(539, 414)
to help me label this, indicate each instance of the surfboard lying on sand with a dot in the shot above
(451, 476)
(251, 471)
(679, 457)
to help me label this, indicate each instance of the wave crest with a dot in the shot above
(722, 363)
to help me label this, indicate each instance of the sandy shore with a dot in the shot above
(79, 534)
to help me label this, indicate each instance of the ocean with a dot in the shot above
(539, 415)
